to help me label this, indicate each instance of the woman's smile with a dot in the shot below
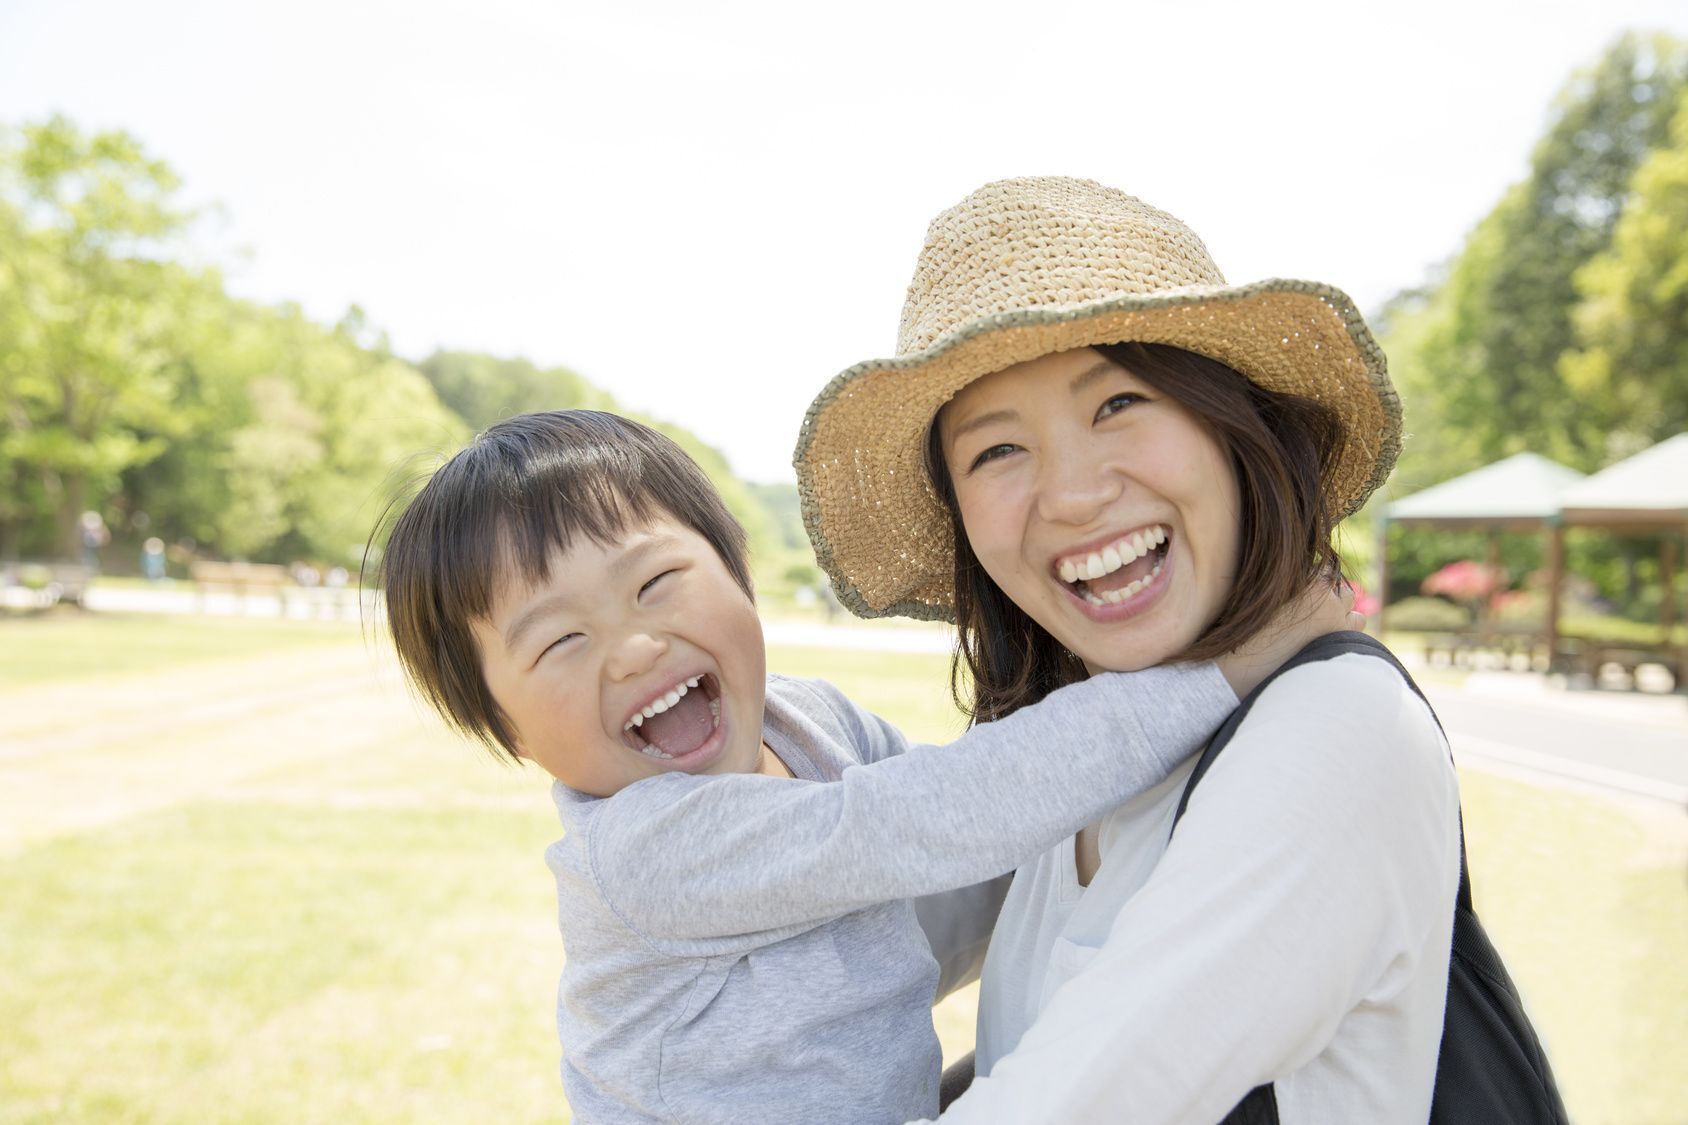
(1122, 569)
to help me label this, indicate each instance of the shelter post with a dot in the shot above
(1555, 578)
(1486, 608)
(1667, 574)
(1667, 610)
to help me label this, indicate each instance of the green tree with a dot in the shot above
(1478, 357)
(483, 389)
(1631, 373)
(87, 301)
(292, 431)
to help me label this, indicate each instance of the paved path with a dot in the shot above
(1633, 743)
(1517, 722)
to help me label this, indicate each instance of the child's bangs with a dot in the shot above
(550, 518)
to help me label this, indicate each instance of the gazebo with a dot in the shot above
(1519, 494)
(1646, 494)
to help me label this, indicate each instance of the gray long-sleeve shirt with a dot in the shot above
(744, 948)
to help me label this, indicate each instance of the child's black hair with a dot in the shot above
(496, 512)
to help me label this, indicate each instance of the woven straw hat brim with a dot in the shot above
(878, 527)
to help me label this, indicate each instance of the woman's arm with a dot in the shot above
(1313, 867)
(702, 866)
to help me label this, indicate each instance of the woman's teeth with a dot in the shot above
(1112, 557)
(1114, 597)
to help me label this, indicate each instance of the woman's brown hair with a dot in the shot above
(1282, 448)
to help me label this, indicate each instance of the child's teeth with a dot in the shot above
(658, 706)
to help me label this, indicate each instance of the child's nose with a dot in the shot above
(635, 654)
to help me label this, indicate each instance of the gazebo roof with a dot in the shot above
(1520, 491)
(1649, 489)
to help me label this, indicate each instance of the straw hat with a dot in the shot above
(1022, 268)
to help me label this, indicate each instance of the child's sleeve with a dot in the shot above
(716, 865)
(957, 922)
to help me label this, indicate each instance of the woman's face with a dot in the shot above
(1104, 509)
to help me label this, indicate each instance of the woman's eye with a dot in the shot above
(645, 589)
(1117, 403)
(994, 453)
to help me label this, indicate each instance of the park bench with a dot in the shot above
(1497, 645)
(1585, 659)
(242, 579)
(42, 585)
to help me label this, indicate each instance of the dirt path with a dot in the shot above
(93, 751)
(88, 752)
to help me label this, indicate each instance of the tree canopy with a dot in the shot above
(1561, 326)
(1513, 348)
(135, 386)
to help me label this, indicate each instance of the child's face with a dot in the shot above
(615, 632)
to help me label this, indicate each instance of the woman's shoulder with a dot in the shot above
(1353, 714)
(1350, 684)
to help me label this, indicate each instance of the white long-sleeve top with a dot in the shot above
(1295, 930)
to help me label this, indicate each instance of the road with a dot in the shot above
(1629, 742)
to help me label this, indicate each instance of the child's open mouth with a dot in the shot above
(678, 723)
(1120, 570)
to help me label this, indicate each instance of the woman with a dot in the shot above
(1093, 454)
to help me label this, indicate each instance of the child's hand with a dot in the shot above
(1324, 607)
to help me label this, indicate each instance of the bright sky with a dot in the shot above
(713, 208)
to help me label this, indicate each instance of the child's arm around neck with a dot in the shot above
(712, 866)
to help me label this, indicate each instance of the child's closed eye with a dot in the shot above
(559, 644)
(648, 586)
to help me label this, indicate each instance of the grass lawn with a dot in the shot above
(66, 643)
(243, 878)
(1586, 899)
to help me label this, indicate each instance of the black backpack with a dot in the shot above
(1491, 1070)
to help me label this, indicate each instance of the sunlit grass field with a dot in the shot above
(244, 878)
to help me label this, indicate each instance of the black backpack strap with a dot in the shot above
(1260, 1106)
(1327, 647)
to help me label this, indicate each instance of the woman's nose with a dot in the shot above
(634, 655)
(1073, 487)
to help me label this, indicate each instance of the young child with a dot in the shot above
(740, 850)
